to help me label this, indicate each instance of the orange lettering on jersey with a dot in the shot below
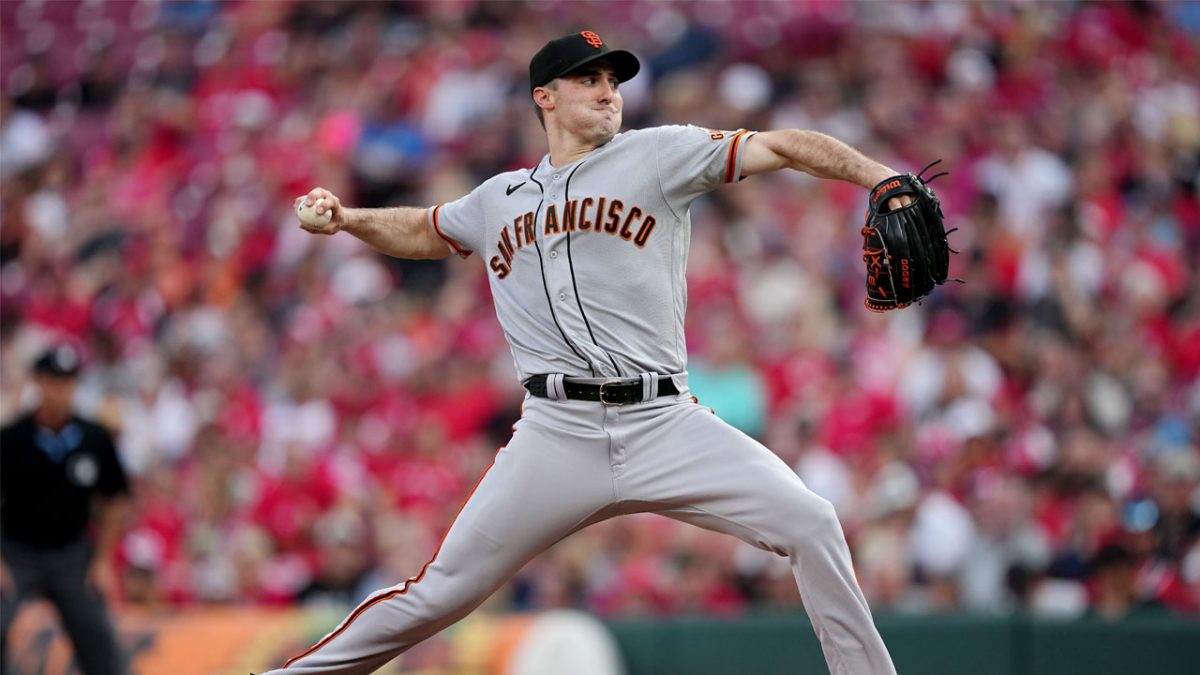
(614, 216)
(569, 215)
(528, 222)
(592, 39)
(587, 214)
(499, 267)
(506, 247)
(643, 234)
(584, 223)
(635, 212)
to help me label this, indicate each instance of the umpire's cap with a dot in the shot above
(562, 55)
(60, 361)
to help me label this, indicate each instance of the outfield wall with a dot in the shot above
(933, 645)
(234, 641)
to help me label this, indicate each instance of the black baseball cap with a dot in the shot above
(60, 361)
(562, 55)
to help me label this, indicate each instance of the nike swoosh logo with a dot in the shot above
(513, 188)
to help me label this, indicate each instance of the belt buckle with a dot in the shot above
(611, 404)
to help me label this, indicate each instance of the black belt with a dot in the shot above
(613, 392)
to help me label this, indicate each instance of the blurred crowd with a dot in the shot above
(302, 417)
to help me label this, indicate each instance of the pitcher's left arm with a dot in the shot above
(813, 153)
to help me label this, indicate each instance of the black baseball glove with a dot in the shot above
(905, 249)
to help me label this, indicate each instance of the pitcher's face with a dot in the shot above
(588, 104)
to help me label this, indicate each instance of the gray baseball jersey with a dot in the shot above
(556, 239)
(587, 271)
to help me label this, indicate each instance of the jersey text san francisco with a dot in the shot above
(588, 214)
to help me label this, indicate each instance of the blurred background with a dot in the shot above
(302, 418)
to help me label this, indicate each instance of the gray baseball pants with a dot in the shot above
(60, 575)
(573, 463)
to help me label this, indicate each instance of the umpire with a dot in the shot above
(62, 498)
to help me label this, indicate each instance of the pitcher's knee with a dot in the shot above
(814, 523)
(450, 601)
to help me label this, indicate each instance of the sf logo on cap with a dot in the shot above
(592, 39)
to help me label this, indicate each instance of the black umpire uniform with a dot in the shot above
(54, 466)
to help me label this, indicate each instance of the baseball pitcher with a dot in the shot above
(586, 254)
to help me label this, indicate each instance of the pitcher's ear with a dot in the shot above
(543, 98)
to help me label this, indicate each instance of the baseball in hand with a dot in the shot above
(309, 216)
